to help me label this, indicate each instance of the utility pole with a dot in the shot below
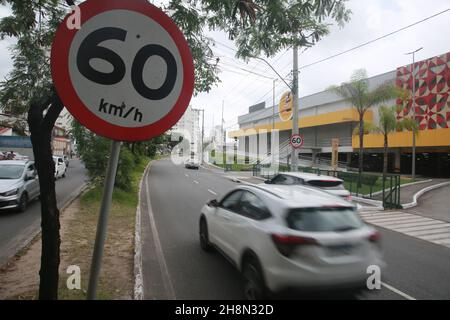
(273, 124)
(413, 170)
(223, 135)
(294, 157)
(273, 109)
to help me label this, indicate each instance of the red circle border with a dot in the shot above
(61, 78)
(297, 135)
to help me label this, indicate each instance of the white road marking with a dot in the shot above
(210, 191)
(429, 231)
(410, 225)
(421, 229)
(445, 242)
(398, 224)
(196, 182)
(168, 286)
(186, 175)
(414, 225)
(440, 237)
(393, 216)
(400, 293)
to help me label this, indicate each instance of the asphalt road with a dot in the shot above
(174, 266)
(435, 204)
(16, 228)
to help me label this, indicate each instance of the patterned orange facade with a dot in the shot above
(432, 81)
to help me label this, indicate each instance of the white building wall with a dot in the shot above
(190, 123)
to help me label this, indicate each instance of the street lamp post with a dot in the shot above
(294, 156)
(413, 170)
(203, 133)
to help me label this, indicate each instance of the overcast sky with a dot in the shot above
(370, 19)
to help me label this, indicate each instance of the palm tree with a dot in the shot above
(362, 99)
(388, 123)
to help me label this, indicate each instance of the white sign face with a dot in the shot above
(127, 73)
(105, 99)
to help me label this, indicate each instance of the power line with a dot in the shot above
(287, 50)
(234, 50)
(372, 41)
(353, 48)
(222, 69)
(223, 58)
(246, 70)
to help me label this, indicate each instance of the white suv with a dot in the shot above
(329, 184)
(290, 237)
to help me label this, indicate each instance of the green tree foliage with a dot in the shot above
(362, 99)
(94, 152)
(389, 123)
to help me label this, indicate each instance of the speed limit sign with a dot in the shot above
(297, 141)
(127, 74)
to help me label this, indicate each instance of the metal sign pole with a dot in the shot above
(103, 220)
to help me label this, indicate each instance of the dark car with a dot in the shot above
(191, 164)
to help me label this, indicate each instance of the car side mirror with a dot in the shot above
(213, 203)
(268, 182)
(30, 176)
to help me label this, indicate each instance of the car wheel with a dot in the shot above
(254, 287)
(64, 174)
(23, 202)
(204, 237)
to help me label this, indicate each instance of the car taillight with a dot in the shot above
(375, 237)
(286, 244)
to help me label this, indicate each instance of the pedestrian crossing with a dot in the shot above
(435, 231)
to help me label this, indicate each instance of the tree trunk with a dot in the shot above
(385, 166)
(361, 143)
(41, 134)
(385, 156)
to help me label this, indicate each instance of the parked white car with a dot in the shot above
(60, 167)
(19, 184)
(66, 160)
(290, 237)
(329, 184)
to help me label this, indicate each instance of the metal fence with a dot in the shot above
(363, 185)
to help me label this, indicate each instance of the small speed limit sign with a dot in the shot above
(127, 74)
(297, 141)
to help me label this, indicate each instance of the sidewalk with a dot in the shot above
(408, 192)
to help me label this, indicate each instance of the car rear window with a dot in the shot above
(324, 219)
(326, 184)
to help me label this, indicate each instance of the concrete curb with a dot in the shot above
(376, 203)
(138, 278)
(401, 186)
(423, 191)
(212, 165)
(36, 227)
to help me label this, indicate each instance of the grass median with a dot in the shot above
(117, 273)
